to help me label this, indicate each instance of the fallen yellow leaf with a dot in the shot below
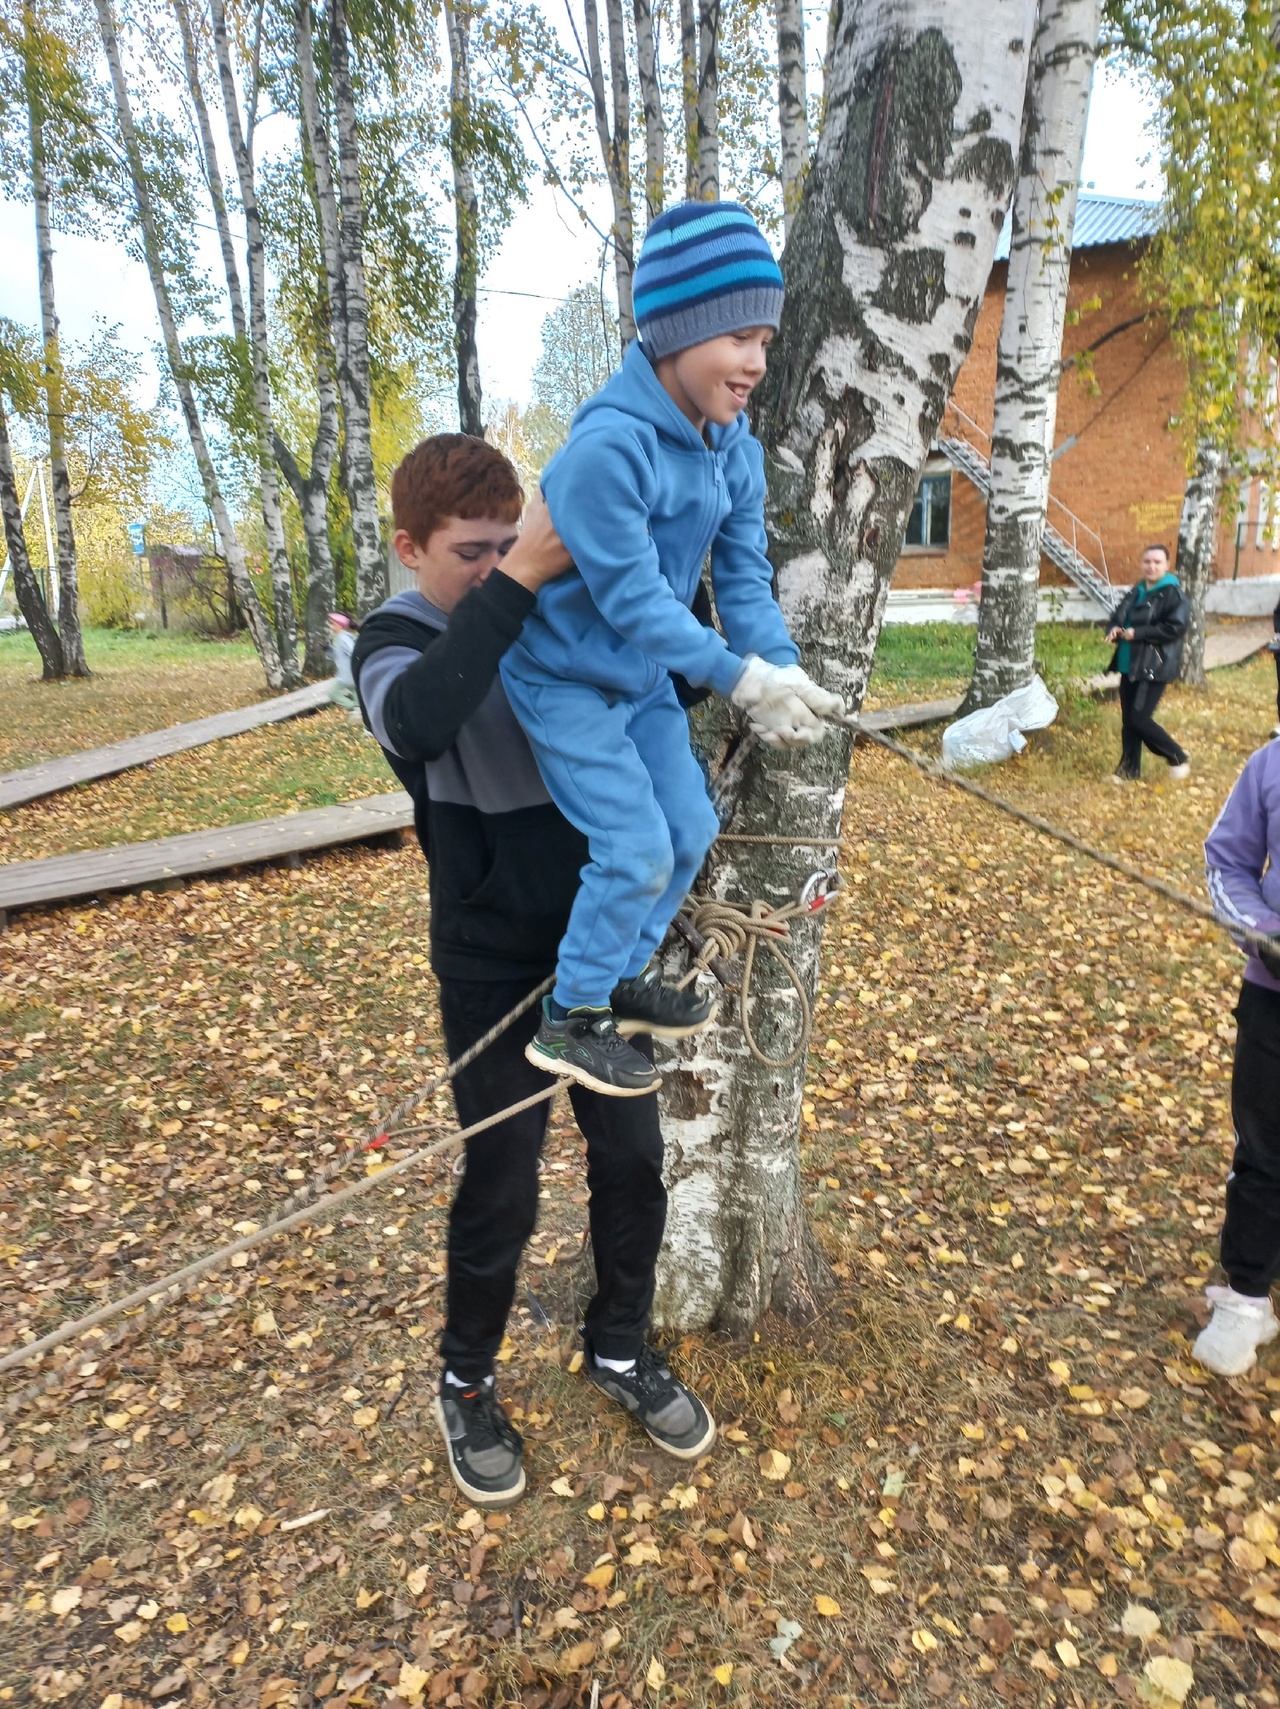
(722, 1674)
(827, 1605)
(774, 1465)
(177, 1624)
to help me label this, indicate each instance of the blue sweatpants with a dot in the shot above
(623, 772)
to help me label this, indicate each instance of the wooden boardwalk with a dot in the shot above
(909, 717)
(66, 878)
(18, 787)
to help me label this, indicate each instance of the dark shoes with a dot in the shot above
(486, 1451)
(672, 1414)
(589, 1048)
(646, 1005)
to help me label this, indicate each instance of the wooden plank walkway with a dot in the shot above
(19, 787)
(1235, 642)
(64, 878)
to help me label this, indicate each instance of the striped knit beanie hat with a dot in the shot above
(704, 270)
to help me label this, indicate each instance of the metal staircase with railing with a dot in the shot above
(1074, 547)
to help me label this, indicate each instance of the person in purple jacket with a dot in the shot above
(1242, 869)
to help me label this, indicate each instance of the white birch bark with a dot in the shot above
(655, 136)
(26, 587)
(886, 267)
(793, 106)
(466, 219)
(312, 493)
(259, 627)
(366, 525)
(240, 136)
(212, 173)
(1197, 543)
(615, 148)
(709, 100)
(72, 641)
(1029, 357)
(689, 95)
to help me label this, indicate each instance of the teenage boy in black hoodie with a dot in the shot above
(504, 865)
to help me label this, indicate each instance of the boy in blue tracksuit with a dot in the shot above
(660, 467)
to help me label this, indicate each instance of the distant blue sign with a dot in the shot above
(138, 538)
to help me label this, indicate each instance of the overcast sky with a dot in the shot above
(544, 254)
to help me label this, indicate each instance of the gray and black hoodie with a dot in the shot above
(504, 861)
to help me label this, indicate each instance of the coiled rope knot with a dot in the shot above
(737, 928)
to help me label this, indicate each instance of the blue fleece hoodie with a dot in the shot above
(638, 497)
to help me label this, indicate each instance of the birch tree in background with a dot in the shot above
(1029, 358)
(655, 134)
(1197, 549)
(19, 384)
(793, 106)
(708, 100)
(689, 95)
(51, 90)
(887, 263)
(260, 627)
(240, 134)
(615, 146)
(466, 217)
(338, 197)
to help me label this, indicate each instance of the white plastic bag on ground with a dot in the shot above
(995, 732)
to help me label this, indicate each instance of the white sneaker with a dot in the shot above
(1178, 772)
(1239, 1326)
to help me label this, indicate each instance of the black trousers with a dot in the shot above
(495, 1210)
(1251, 1229)
(1138, 727)
(1276, 656)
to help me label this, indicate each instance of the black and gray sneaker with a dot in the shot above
(646, 1005)
(672, 1414)
(486, 1451)
(589, 1048)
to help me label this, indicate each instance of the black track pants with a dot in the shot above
(1138, 727)
(1251, 1231)
(496, 1207)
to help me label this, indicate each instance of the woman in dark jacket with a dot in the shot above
(1147, 628)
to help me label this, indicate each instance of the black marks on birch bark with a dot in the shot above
(989, 161)
(913, 286)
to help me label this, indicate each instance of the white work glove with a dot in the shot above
(819, 700)
(775, 711)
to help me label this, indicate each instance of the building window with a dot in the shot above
(930, 522)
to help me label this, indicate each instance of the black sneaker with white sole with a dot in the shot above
(670, 1411)
(646, 1004)
(486, 1451)
(588, 1048)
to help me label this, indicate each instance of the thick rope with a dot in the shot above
(1114, 863)
(733, 928)
(182, 1281)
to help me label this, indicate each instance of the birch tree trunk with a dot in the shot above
(689, 95)
(1029, 358)
(259, 628)
(240, 137)
(709, 100)
(1197, 540)
(353, 359)
(793, 106)
(655, 136)
(72, 642)
(25, 586)
(615, 148)
(212, 173)
(466, 219)
(312, 493)
(887, 263)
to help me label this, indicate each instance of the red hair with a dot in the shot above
(453, 474)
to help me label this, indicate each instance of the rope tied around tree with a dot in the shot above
(730, 929)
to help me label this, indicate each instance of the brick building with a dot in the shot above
(1118, 463)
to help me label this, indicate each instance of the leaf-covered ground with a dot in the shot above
(991, 1473)
(140, 682)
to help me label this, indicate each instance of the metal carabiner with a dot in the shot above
(819, 888)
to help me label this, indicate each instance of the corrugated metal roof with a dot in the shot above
(1099, 219)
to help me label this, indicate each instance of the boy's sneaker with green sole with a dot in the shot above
(587, 1047)
(667, 1408)
(646, 1004)
(486, 1451)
